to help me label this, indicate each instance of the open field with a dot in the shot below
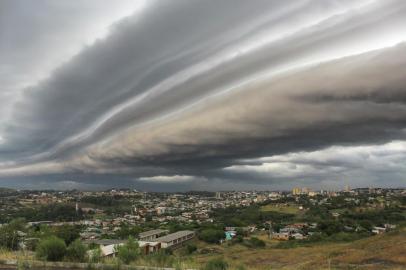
(374, 253)
(281, 208)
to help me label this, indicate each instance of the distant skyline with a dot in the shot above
(202, 95)
(291, 190)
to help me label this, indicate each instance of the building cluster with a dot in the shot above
(149, 242)
(300, 231)
(102, 221)
(165, 208)
(99, 222)
(298, 191)
(297, 231)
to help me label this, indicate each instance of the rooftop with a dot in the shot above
(106, 242)
(173, 236)
(151, 232)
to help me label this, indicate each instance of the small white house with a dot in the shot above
(378, 230)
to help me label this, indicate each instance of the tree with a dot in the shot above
(67, 232)
(58, 211)
(95, 255)
(330, 227)
(238, 239)
(241, 232)
(10, 234)
(127, 231)
(366, 224)
(51, 249)
(190, 248)
(76, 251)
(216, 264)
(129, 251)
(211, 235)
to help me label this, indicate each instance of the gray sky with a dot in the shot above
(180, 95)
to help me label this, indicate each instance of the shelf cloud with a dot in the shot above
(203, 95)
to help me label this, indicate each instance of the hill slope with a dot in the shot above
(386, 251)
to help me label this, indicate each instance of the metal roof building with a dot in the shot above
(175, 239)
(151, 235)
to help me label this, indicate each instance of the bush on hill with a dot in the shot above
(76, 251)
(211, 235)
(129, 251)
(51, 249)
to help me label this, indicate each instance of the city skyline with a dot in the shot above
(200, 95)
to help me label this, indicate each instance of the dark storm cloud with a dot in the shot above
(36, 37)
(143, 51)
(148, 66)
(183, 89)
(284, 115)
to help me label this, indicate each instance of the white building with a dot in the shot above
(151, 235)
(175, 239)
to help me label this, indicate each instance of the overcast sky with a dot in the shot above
(202, 95)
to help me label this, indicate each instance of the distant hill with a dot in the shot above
(4, 192)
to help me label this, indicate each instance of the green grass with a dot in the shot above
(372, 253)
(281, 208)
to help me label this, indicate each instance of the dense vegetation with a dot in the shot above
(252, 215)
(52, 212)
(128, 252)
(51, 249)
(11, 234)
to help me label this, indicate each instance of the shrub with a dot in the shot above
(216, 264)
(241, 232)
(330, 226)
(128, 252)
(68, 233)
(9, 234)
(31, 243)
(51, 249)
(317, 237)
(76, 251)
(211, 235)
(190, 248)
(238, 239)
(95, 255)
(255, 243)
(366, 224)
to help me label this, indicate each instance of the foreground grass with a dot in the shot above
(386, 251)
(374, 253)
(157, 260)
(162, 261)
(12, 255)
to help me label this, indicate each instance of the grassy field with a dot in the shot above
(281, 208)
(374, 253)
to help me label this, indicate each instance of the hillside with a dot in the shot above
(386, 251)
